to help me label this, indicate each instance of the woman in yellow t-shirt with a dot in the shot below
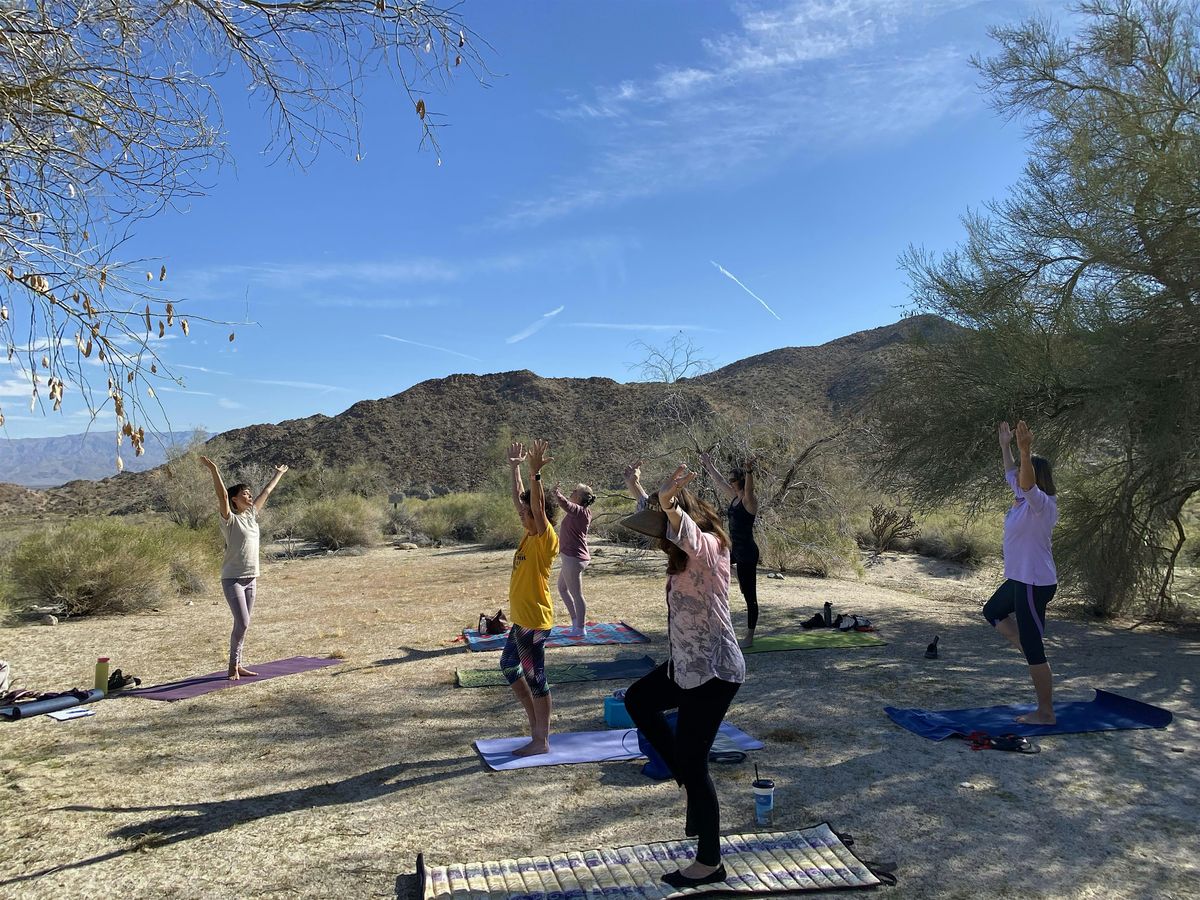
(531, 608)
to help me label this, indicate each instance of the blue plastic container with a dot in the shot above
(615, 715)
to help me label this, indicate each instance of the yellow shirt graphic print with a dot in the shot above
(529, 599)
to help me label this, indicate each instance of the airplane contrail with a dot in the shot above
(734, 279)
(401, 340)
(535, 327)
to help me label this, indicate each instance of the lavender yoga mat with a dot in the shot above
(204, 684)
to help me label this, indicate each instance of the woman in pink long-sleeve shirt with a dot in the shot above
(573, 551)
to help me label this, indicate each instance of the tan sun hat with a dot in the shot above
(650, 521)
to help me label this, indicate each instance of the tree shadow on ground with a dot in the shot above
(411, 654)
(188, 821)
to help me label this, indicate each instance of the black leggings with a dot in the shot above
(1028, 603)
(747, 576)
(701, 710)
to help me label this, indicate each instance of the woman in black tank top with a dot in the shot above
(743, 507)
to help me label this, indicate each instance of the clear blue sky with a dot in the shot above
(619, 150)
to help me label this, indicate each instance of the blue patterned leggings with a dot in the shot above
(525, 656)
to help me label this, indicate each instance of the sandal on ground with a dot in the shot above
(1014, 743)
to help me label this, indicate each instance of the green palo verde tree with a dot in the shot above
(1080, 300)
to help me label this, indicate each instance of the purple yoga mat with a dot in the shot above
(203, 684)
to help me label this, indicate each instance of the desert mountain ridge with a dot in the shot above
(440, 434)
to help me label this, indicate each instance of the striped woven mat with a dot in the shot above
(812, 859)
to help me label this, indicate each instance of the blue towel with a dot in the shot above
(1107, 712)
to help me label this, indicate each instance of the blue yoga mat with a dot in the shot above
(1107, 712)
(585, 746)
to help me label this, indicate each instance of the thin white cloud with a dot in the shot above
(737, 281)
(535, 327)
(171, 390)
(226, 403)
(201, 369)
(400, 340)
(13, 387)
(636, 326)
(801, 77)
(300, 385)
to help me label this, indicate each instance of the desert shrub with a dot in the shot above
(94, 566)
(401, 519)
(348, 521)
(486, 518)
(195, 556)
(889, 526)
(951, 537)
(498, 525)
(808, 546)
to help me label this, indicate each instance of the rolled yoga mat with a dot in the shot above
(597, 633)
(563, 674)
(1105, 712)
(215, 681)
(811, 859)
(590, 746)
(815, 640)
(41, 707)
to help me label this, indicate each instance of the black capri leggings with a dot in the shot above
(1028, 603)
(746, 558)
(685, 752)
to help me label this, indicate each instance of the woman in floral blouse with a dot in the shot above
(703, 671)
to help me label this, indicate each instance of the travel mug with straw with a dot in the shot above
(764, 799)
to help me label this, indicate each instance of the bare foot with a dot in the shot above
(242, 670)
(746, 643)
(234, 676)
(1038, 717)
(533, 748)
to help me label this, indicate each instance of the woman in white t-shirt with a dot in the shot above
(239, 510)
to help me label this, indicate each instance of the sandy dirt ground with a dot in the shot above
(328, 784)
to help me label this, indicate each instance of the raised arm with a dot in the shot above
(667, 492)
(633, 483)
(261, 500)
(219, 486)
(718, 479)
(749, 498)
(1006, 437)
(516, 453)
(1026, 478)
(564, 502)
(539, 456)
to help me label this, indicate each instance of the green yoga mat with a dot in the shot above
(824, 639)
(566, 673)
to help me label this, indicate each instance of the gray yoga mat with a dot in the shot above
(41, 707)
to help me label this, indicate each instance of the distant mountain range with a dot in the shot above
(52, 461)
(440, 434)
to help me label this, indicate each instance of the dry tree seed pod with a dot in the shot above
(138, 449)
(120, 463)
(149, 391)
(129, 377)
(1, 418)
(170, 314)
(231, 336)
(127, 429)
(149, 276)
(458, 60)
(103, 278)
(100, 355)
(153, 369)
(161, 328)
(162, 274)
(87, 348)
(148, 325)
(3, 313)
(184, 325)
(45, 362)
(86, 236)
(421, 109)
(462, 38)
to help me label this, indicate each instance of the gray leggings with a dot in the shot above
(239, 594)
(570, 588)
